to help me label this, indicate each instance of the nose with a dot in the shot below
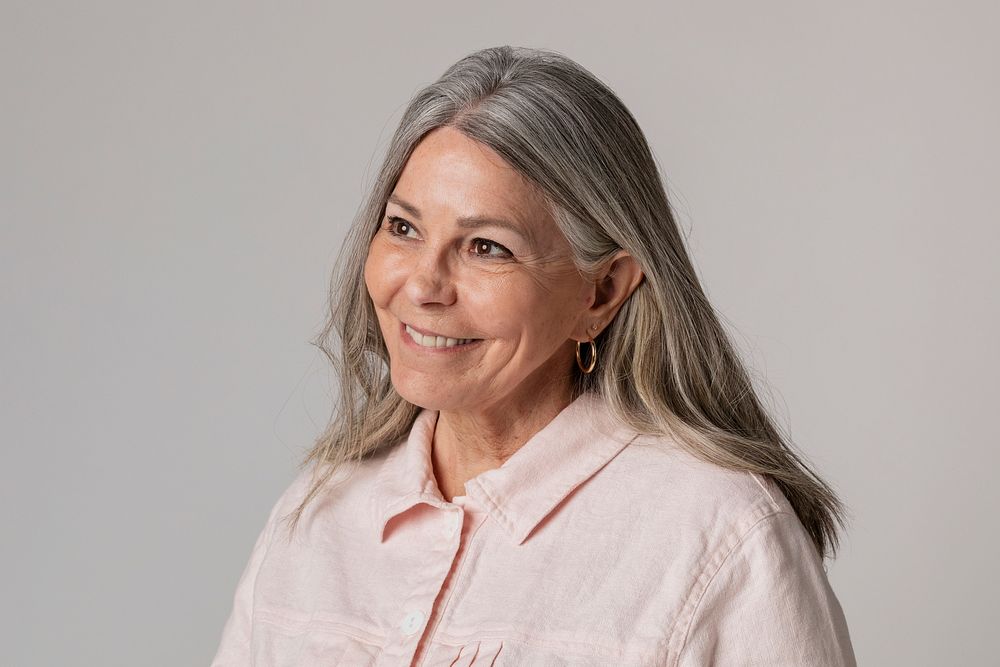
(431, 279)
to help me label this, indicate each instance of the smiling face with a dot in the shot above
(467, 249)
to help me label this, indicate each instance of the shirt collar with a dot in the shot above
(578, 442)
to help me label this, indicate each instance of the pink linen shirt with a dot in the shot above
(590, 545)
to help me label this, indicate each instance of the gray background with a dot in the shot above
(177, 178)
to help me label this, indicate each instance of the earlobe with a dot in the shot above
(592, 332)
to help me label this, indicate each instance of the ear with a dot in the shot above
(615, 283)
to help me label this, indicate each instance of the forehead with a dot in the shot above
(451, 174)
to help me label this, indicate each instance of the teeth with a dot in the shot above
(435, 341)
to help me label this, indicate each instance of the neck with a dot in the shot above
(468, 443)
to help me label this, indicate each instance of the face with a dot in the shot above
(468, 250)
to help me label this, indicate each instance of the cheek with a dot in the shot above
(378, 274)
(496, 302)
(520, 307)
(369, 275)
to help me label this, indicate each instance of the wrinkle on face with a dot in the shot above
(524, 308)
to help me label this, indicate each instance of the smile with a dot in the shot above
(433, 341)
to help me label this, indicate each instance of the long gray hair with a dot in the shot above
(665, 364)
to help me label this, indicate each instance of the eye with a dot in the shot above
(397, 226)
(482, 249)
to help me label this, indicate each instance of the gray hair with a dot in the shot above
(666, 366)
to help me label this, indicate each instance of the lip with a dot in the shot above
(412, 344)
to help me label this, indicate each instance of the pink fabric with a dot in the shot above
(589, 546)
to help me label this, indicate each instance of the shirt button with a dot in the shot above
(412, 622)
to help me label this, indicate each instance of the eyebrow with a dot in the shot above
(468, 221)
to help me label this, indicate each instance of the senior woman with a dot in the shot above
(546, 450)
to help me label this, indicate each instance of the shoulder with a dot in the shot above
(691, 495)
(347, 488)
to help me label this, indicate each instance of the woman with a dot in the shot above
(546, 449)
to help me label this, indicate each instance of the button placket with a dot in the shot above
(452, 525)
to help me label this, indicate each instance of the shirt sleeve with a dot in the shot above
(235, 645)
(769, 603)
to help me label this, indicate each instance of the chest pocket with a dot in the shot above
(332, 650)
(474, 654)
(279, 643)
(512, 653)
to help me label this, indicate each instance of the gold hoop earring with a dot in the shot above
(593, 355)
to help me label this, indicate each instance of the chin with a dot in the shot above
(429, 395)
